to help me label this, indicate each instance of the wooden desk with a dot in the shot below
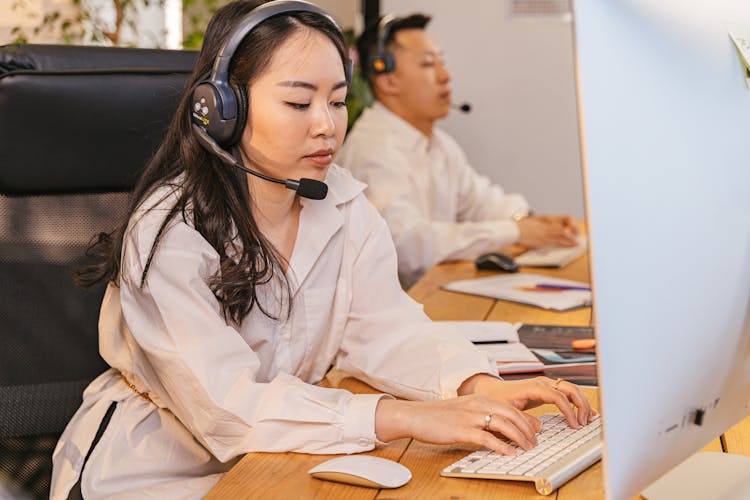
(284, 475)
(443, 305)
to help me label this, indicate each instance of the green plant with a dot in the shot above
(359, 96)
(196, 14)
(87, 24)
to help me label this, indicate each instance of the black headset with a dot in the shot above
(220, 108)
(382, 61)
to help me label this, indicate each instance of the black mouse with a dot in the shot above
(496, 262)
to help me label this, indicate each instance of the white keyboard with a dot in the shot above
(552, 256)
(561, 454)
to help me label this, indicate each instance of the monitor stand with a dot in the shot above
(705, 476)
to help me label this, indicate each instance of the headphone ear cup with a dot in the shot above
(241, 120)
(382, 62)
(206, 106)
(205, 103)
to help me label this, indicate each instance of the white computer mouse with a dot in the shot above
(363, 470)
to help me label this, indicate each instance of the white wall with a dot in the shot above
(518, 74)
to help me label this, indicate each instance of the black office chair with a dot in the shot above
(77, 124)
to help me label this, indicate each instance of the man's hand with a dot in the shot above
(539, 231)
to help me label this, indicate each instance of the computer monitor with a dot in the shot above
(664, 108)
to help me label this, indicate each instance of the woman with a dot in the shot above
(230, 296)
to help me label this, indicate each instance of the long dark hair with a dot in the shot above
(213, 195)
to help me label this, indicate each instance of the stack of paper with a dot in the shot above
(479, 332)
(531, 289)
(512, 357)
(500, 343)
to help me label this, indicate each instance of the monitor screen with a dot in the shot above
(664, 110)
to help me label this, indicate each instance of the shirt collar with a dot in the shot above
(403, 131)
(342, 186)
(320, 220)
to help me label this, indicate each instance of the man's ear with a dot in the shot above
(387, 84)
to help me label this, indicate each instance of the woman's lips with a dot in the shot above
(322, 157)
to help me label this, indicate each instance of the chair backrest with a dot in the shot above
(77, 124)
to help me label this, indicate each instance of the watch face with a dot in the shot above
(519, 215)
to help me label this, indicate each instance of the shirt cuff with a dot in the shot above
(509, 229)
(359, 421)
(455, 381)
(462, 367)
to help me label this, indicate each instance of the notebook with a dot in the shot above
(512, 357)
(515, 357)
(525, 288)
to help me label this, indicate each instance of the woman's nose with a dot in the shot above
(323, 123)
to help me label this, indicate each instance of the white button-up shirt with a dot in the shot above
(435, 203)
(219, 391)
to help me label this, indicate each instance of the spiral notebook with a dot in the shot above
(554, 294)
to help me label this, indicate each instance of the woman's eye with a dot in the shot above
(338, 104)
(428, 64)
(297, 105)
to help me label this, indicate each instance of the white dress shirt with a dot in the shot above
(435, 203)
(219, 391)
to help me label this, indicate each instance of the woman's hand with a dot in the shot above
(458, 420)
(530, 393)
(487, 408)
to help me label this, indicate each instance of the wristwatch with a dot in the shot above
(519, 216)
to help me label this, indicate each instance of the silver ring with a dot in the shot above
(557, 383)
(487, 420)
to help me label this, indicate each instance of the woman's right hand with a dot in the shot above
(457, 420)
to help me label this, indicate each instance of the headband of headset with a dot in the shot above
(220, 108)
(383, 61)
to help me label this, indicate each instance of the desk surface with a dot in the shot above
(284, 475)
(443, 305)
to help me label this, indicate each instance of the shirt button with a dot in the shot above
(363, 442)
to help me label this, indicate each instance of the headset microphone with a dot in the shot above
(307, 188)
(464, 107)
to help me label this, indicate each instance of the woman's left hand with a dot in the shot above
(525, 394)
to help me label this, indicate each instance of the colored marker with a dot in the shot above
(537, 289)
(552, 286)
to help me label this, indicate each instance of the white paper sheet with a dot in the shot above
(513, 288)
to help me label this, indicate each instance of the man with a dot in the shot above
(436, 205)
